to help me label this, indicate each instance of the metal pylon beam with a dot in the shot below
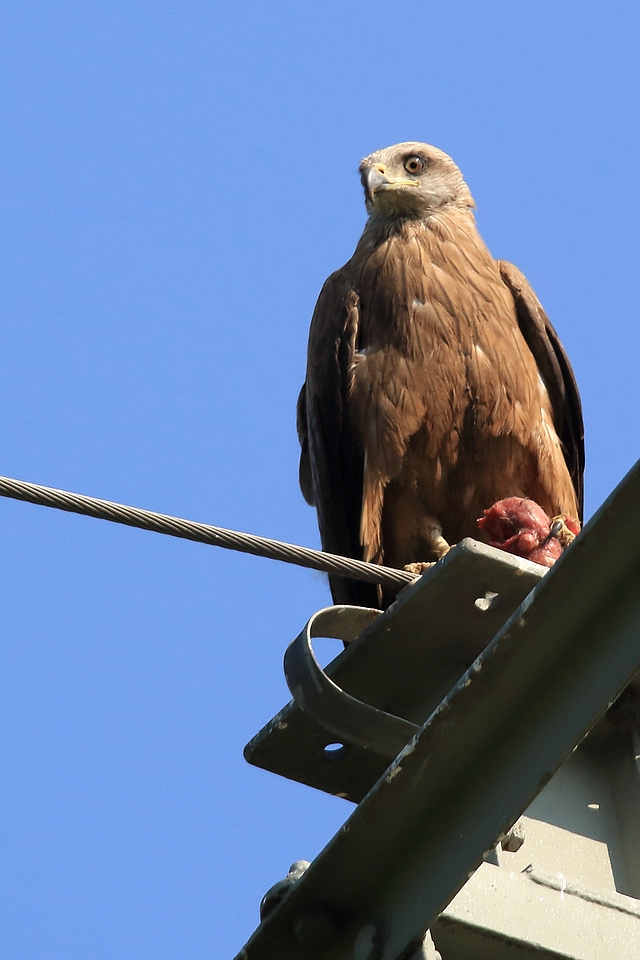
(479, 761)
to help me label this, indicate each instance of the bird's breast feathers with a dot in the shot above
(437, 337)
(444, 393)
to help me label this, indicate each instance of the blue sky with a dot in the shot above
(178, 179)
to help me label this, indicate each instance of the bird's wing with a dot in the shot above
(331, 461)
(305, 478)
(555, 370)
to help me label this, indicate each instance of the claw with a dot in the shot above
(561, 531)
(419, 568)
(440, 547)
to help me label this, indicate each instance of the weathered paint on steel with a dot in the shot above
(484, 754)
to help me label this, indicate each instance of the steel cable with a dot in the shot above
(203, 533)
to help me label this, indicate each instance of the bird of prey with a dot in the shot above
(435, 383)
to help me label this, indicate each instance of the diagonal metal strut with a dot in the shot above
(479, 761)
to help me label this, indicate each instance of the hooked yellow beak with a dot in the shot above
(376, 180)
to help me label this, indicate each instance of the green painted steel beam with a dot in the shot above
(403, 663)
(479, 761)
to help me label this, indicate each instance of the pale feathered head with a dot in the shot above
(412, 180)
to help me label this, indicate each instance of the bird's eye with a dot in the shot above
(414, 164)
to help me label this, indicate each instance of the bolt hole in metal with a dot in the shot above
(488, 602)
(335, 751)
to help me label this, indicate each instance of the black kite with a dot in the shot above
(435, 383)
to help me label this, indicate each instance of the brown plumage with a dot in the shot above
(435, 384)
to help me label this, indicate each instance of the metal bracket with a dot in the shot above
(348, 721)
(478, 761)
(345, 716)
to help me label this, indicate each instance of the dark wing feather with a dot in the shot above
(304, 475)
(331, 461)
(555, 370)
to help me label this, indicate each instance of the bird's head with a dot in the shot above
(412, 180)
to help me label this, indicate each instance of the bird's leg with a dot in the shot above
(431, 532)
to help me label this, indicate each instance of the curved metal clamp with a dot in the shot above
(342, 715)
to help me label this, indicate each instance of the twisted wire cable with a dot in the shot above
(203, 533)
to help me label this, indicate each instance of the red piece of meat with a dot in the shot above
(522, 527)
